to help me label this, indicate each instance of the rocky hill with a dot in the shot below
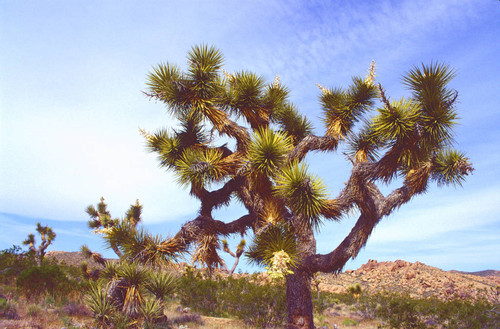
(416, 279)
(72, 258)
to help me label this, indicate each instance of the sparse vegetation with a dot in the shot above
(254, 300)
(259, 304)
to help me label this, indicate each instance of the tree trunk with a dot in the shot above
(299, 300)
(298, 284)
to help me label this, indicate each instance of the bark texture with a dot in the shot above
(299, 301)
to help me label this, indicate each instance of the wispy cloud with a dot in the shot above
(438, 217)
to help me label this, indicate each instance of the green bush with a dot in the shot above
(13, 261)
(259, 305)
(45, 279)
(402, 311)
(349, 322)
(7, 309)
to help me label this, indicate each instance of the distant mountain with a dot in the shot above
(418, 280)
(480, 273)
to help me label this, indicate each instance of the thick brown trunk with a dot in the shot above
(298, 285)
(299, 300)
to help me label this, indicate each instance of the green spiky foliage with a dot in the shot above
(115, 231)
(162, 285)
(293, 123)
(130, 292)
(270, 240)
(268, 150)
(101, 306)
(200, 167)
(238, 138)
(146, 248)
(133, 278)
(152, 312)
(110, 270)
(304, 193)
(344, 108)
(47, 236)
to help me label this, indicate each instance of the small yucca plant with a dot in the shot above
(161, 285)
(151, 311)
(101, 306)
(132, 278)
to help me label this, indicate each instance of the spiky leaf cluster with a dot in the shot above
(450, 167)
(342, 109)
(272, 239)
(146, 248)
(162, 284)
(101, 306)
(200, 167)
(292, 123)
(406, 135)
(268, 150)
(303, 193)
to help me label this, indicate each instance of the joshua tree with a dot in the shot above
(127, 240)
(47, 236)
(240, 248)
(355, 290)
(242, 139)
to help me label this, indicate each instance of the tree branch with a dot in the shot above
(193, 229)
(313, 143)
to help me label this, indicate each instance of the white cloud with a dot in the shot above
(439, 216)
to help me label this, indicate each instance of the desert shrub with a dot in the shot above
(259, 305)
(101, 306)
(465, 314)
(130, 295)
(33, 310)
(328, 299)
(7, 309)
(13, 261)
(45, 279)
(402, 311)
(349, 322)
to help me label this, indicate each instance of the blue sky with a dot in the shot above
(71, 78)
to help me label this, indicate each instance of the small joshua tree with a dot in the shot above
(239, 251)
(355, 290)
(47, 236)
(127, 240)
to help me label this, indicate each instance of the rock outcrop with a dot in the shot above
(416, 279)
